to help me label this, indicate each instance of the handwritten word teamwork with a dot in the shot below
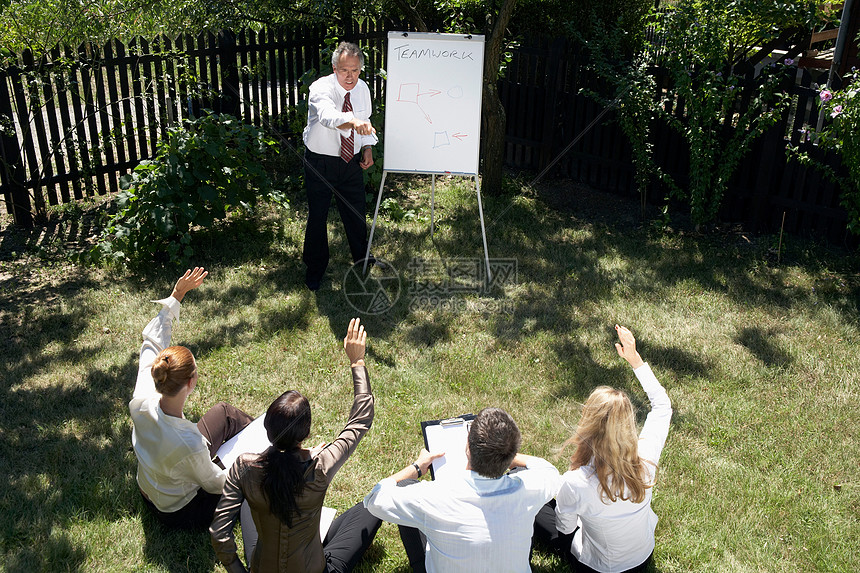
(404, 52)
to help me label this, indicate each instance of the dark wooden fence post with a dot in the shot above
(554, 83)
(229, 74)
(15, 191)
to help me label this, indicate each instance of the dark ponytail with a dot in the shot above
(287, 423)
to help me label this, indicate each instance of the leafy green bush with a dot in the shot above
(726, 105)
(202, 169)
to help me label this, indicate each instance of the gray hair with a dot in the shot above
(349, 49)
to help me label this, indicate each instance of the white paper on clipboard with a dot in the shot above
(450, 436)
(251, 440)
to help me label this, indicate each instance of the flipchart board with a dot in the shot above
(433, 103)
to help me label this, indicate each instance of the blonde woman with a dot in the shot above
(603, 517)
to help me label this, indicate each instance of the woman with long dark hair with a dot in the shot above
(285, 487)
(177, 471)
(603, 519)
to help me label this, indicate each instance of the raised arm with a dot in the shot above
(157, 334)
(654, 432)
(335, 454)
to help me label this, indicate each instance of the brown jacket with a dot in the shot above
(282, 548)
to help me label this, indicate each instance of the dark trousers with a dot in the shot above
(324, 173)
(217, 425)
(348, 538)
(220, 423)
(547, 536)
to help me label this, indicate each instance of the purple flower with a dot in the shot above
(719, 74)
(836, 111)
(789, 62)
(825, 96)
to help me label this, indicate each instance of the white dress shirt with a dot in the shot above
(616, 536)
(472, 523)
(325, 101)
(172, 455)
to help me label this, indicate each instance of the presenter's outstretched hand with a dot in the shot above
(355, 342)
(363, 127)
(189, 281)
(626, 347)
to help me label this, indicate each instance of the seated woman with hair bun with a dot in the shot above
(178, 478)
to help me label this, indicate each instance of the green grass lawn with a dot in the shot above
(760, 471)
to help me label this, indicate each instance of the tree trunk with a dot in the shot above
(412, 14)
(492, 110)
(493, 130)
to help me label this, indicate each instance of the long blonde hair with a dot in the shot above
(606, 438)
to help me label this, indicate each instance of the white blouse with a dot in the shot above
(173, 459)
(616, 536)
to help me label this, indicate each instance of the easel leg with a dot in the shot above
(483, 231)
(373, 225)
(432, 202)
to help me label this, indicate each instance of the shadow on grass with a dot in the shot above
(62, 458)
(759, 343)
(176, 550)
(57, 553)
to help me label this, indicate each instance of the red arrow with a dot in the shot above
(431, 93)
(459, 135)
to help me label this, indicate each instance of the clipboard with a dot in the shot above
(251, 440)
(450, 436)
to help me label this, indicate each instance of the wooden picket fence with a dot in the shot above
(80, 118)
(84, 117)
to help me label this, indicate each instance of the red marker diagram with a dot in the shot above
(442, 138)
(409, 93)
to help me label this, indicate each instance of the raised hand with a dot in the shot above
(189, 281)
(355, 341)
(626, 347)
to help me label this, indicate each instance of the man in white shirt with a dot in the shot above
(480, 519)
(338, 140)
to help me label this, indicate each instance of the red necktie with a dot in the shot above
(347, 144)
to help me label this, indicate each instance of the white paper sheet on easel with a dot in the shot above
(251, 440)
(449, 436)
